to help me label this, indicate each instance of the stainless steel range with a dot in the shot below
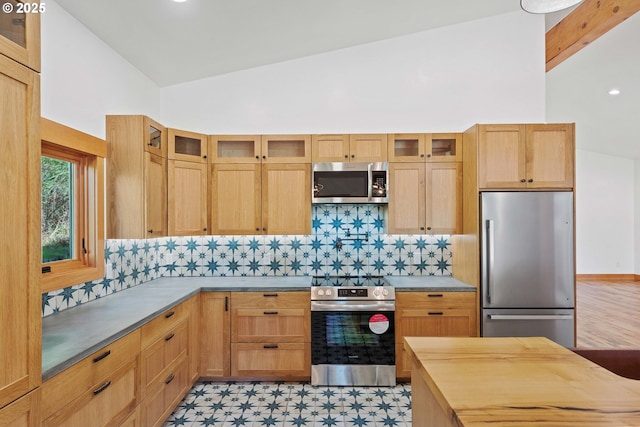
(352, 331)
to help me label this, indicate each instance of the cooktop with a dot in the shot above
(349, 281)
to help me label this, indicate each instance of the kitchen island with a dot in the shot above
(514, 382)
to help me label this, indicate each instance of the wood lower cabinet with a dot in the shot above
(214, 334)
(101, 389)
(432, 314)
(282, 361)
(271, 335)
(24, 412)
(164, 395)
(20, 254)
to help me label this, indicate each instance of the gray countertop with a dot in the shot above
(73, 334)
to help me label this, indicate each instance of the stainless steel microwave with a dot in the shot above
(350, 182)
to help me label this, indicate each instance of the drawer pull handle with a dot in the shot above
(168, 337)
(102, 388)
(270, 346)
(435, 313)
(435, 295)
(269, 295)
(270, 312)
(169, 314)
(102, 356)
(171, 378)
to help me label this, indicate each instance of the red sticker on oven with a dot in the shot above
(379, 323)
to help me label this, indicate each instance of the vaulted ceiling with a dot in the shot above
(174, 42)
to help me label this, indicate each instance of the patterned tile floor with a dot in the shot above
(264, 404)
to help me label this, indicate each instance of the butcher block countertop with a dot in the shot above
(502, 382)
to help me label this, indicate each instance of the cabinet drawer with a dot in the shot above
(270, 325)
(109, 402)
(89, 372)
(435, 300)
(271, 360)
(434, 323)
(162, 325)
(165, 395)
(157, 357)
(289, 299)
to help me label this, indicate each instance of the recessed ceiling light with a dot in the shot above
(179, 1)
(614, 92)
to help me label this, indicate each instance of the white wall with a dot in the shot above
(605, 214)
(490, 70)
(637, 216)
(83, 79)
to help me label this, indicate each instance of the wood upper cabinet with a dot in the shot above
(20, 257)
(550, 155)
(526, 156)
(443, 188)
(187, 198)
(286, 199)
(286, 149)
(420, 147)
(20, 32)
(406, 211)
(214, 334)
(235, 199)
(235, 149)
(136, 178)
(349, 148)
(431, 314)
(187, 146)
(425, 198)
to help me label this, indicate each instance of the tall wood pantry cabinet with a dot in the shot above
(20, 249)
(425, 194)
(136, 178)
(260, 184)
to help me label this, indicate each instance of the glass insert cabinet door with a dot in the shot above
(20, 31)
(429, 147)
(187, 146)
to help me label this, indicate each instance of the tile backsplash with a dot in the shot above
(345, 239)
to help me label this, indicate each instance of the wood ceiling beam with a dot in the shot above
(583, 25)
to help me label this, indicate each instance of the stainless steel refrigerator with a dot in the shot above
(527, 265)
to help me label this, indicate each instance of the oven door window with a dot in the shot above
(352, 338)
(341, 184)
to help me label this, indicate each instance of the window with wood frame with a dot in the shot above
(72, 190)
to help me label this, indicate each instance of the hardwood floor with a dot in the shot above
(608, 314)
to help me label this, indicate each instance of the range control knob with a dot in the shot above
(385, 291)
(328, 292)
(320, 291)
(376, 292)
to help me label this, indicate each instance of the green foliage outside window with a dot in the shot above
(57, 208)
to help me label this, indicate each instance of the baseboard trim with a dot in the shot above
(622, 277)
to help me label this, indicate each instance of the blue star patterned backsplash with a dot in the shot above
(345, 239)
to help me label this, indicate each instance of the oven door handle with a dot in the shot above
(353, 306)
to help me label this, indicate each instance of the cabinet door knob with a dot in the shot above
(429, 155)
(204, 157)
(421, 228)
(264, 228)
(204, 229)
(346, 156)
(353, 156)
(264, 157)
(523, 180)
(428, 228)
(422, 155)
(150, 231)
(257, 228)
(257, 157)
(530, 179)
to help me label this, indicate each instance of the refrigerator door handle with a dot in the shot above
(489, 259)
(531, 316)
